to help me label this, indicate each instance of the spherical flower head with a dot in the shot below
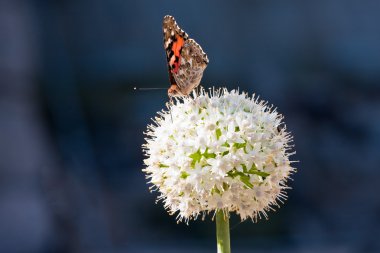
(218, 150)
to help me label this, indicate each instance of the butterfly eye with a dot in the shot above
(172, 92)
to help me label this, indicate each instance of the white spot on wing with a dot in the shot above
(168, 42)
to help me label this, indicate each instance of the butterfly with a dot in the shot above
(186, 59)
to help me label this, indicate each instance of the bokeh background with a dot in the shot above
(71, 125)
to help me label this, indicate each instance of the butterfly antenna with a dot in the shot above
(137, 88)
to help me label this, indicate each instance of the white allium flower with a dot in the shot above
(218, 151)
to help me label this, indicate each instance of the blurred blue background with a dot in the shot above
(71, 124)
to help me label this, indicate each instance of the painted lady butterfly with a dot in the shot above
(186, 59)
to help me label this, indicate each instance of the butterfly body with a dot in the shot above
(186, 59)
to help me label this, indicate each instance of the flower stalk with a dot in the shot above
(222, 232)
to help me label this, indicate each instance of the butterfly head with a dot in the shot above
(174, 91)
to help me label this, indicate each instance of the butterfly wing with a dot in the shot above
(193, 63)
(174, 38)
(186, 59)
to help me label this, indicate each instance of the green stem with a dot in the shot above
(222, 232)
